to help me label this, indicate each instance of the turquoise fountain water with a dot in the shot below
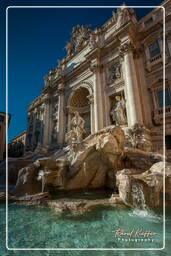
(40, 227)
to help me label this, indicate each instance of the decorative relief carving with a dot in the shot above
(114, 72)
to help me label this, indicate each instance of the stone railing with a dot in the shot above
(156, 59)
(167, 110)
(153, 61)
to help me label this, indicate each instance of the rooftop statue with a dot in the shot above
(80, 35)
(124, 15)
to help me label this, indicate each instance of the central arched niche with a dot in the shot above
(79, 102)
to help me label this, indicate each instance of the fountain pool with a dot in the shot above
(41, 227)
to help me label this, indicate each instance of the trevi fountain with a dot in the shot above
(93, 175)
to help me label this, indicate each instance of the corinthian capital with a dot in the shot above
(126, 47)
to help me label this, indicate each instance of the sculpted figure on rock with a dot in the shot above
(77, 125)
(76, 134)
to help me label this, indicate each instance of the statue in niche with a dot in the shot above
(55, 111)
(115, 72)
(55, 108)
(118, 111)
(77, 125)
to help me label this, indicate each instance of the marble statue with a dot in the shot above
(77, 125)
(79, 38)
(118, 112)
(92, 41)
(70, 48)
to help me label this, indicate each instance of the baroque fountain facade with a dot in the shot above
(99, 121)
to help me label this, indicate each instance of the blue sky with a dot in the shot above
(36, 41)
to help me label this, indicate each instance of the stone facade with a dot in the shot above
(17, 145)
(112, 75)
(3, 134)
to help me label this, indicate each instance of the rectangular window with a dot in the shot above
(2, 118)
(167, 98)
(168, 141)
(154, 49)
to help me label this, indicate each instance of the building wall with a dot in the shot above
(16, 147)
(124, 57)
(3, 134)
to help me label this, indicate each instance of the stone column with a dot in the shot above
(46, 123)
(42, 110)
(143, 89)
(69, 119)
(107, 106)
(96, 67)
(91, 101)
(34, 126)
(27, 146)
(61, 115)
(168, 42)
(133, 102)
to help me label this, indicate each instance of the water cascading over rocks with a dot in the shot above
(138, 198)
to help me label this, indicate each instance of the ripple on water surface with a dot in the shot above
(38, 227)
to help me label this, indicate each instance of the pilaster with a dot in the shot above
(96, 68)
(46, 122)
(91, 101)
(61, 116)
(134, 113)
